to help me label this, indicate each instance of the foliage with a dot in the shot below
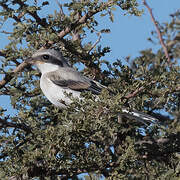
(42, 141)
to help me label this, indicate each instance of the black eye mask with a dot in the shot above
(51, 59)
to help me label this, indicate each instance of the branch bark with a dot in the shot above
(9, 76)
(137, 91)
(83, 19)
(97, 41)
(158, 31)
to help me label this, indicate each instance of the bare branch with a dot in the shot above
(5, 32)
(158, 31)
(97, 41)
(61, 10)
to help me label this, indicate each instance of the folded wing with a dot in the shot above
(69, 78)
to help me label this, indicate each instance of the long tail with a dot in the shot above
(139, 116)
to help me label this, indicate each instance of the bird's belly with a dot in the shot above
(56, 94)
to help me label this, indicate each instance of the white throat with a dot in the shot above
(46, 67)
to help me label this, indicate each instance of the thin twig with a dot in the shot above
(158, 31)
(61, 12)
(6, 124)
(34, 14)
(137, 91)
(133, 94)
(5, 32)
(97, 41)
(82, 20)
(17, 19)
(9, 76)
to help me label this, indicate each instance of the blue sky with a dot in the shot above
(128, 33)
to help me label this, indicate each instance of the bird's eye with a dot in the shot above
(46, 57)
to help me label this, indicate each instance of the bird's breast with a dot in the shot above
(57, 95)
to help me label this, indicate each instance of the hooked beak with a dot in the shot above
(30, 60)
(33, 61)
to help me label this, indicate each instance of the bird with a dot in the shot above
(58, 79)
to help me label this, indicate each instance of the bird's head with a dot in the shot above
(47, 60)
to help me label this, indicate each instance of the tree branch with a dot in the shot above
(83, 19)
(133, 94)
(5, 124)
(158, 31)
(5, 6)
(2, 54)
(40, 21)
(97, 41)
(9, 76)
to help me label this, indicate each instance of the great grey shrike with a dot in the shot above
(58, 78)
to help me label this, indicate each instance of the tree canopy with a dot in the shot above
(89, 138)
